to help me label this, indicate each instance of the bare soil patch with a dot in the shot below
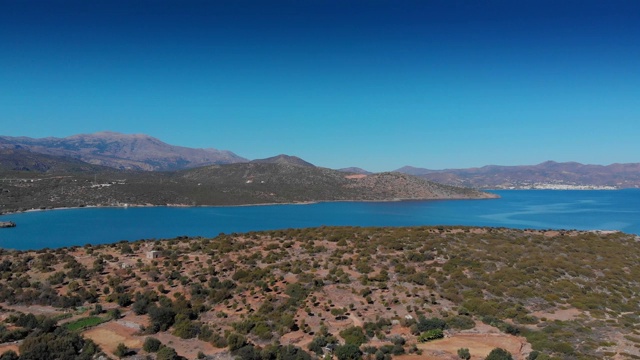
(479, 345)
(6, 347)
(188, 348)
(110, 334)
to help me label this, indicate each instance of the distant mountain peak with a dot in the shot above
(355, 170)
(548, 174)
(124, 151)
(284, 159)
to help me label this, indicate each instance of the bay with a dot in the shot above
(538, 209)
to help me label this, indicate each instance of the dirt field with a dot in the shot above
(479, 345)
(110, 334)
(6, 347)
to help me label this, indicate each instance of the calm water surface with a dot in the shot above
(541, 209)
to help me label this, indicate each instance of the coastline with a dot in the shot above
(568, 210)
(125, 206)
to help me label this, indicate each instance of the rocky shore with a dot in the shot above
(7, 224)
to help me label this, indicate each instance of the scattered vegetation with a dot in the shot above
(345, 292)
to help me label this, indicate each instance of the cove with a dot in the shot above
(539, 209)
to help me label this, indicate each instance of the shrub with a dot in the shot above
(235, 341)
(9, 355)
(425, 324)
(151, 344)
(461, 322)
(161, 318)
(348, 352)
(463, 353)
(353, 335)
(429, 335)
(121, 350)
(499, 354)
(167, 353)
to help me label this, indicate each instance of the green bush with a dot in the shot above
(461, 322)
(151, 344)
(167, 353)
(353, 335)
(121, 350)
(429, 335)
(236, 341)
(499, 354)
(463, 353)
(348, 352)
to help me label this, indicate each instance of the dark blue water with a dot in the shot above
(540, 209)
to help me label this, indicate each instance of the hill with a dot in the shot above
(545, 175)
(356, 170)
(20, 160)
(123, 151)
(230, 184)
(284, 159)
(385, 292)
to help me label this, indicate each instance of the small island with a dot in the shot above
(7, 224)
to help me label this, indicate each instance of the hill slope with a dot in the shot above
(12, 160)
(283, 159)
(567, 295)
(231, 184)
(549, 173)
(123, 151)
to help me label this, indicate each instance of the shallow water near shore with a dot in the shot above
(539, 209)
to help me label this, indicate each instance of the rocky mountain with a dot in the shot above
(549, 174)
(123, 151)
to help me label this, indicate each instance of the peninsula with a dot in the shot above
(38, 181)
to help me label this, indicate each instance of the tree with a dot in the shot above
(9, 355)
(348, 352)
(291, 352)
(97, 310)
(167, 353)
(161, 317)
(151, 344)
(235, 341)
(353, 335)
(499, 354)
(247, 352)
(114, 314)
(59, 344)
(533, 355)
(463, 353)
(121, 350)
(124, 299)
(425, 324)
(429, 335)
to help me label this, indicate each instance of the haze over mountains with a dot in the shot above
(123, 151)
(544, 175)
(143, 152)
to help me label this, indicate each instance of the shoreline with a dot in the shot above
(125, 206)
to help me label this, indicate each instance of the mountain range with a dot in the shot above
(143, 152)
(123, 151)
(40, 181)
(548, 174)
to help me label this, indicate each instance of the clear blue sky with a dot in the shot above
(375, 84)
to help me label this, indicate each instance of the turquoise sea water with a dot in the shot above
(541, 209)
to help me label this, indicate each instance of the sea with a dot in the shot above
(522, 209)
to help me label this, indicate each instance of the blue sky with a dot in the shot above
(374, 84)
